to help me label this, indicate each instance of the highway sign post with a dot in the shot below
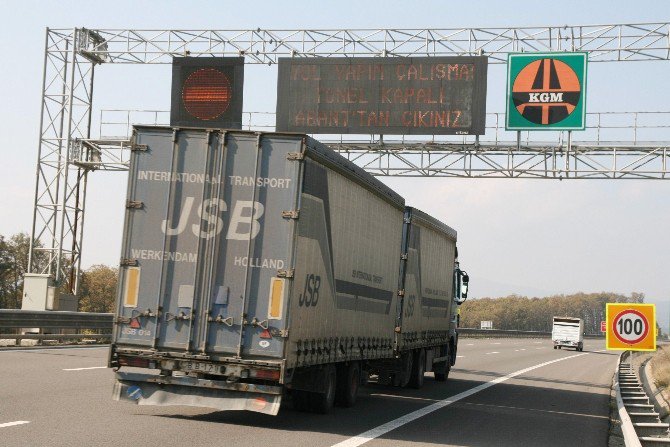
(546, 91)
(631, 327)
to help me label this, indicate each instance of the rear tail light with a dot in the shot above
(137, 362)
(267, 374)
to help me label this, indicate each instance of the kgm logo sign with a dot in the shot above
(546, 91)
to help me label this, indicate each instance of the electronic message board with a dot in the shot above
(374, 95)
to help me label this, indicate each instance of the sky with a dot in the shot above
(528, 237)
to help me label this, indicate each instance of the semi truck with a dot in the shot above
(568, 332)
(257, 266)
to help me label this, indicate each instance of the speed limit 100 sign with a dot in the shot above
(631, 327)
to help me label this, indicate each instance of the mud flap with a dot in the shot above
(147, 393)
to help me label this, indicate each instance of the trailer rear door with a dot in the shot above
(208, 235)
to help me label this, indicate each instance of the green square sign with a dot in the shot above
(546, 91)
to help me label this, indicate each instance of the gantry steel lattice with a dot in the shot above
(67, 152)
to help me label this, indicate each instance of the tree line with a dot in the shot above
(97, 293)
(522, 313)
(97, 285)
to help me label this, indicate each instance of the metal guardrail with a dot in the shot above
(640, 422)
(102, 322)
(511, 333)
(52, 322)
(630, 437)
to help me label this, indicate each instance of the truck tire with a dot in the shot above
(322, 403)
(580, 347)
(441, 370)
(348, 380)
(442, 376)
(406, 361)
(418, 369)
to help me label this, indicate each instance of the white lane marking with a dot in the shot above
(470, 344)
(395, 396)
(460, 356)
(533, 410)
(495, 343)
(494, 352)
(52, 349)
(409, 417)
(82, 369)
(11, 424)
(539, 348)
(522, 349)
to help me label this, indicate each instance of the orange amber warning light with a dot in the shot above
(206, 93)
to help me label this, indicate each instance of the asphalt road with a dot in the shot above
(502, 392)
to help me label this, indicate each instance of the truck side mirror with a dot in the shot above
(462, 286)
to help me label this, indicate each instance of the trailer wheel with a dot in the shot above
(406, 361)
(555, 347)
(301, 400)
(322, 403)
(348, 380)
(418, 369)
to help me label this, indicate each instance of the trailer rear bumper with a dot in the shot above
(148, 389)
(567, 343)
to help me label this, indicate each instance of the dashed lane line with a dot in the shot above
(12, 424)
(409, 417)
(84, 369)
(494, 352)
(81, 348)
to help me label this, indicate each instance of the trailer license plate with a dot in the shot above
(199, 367)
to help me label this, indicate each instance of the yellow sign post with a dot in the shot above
(631, 327)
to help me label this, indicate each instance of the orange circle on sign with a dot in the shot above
(206, 93)
(546, 91)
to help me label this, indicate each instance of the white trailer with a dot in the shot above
(568, 332)
(259, 265)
